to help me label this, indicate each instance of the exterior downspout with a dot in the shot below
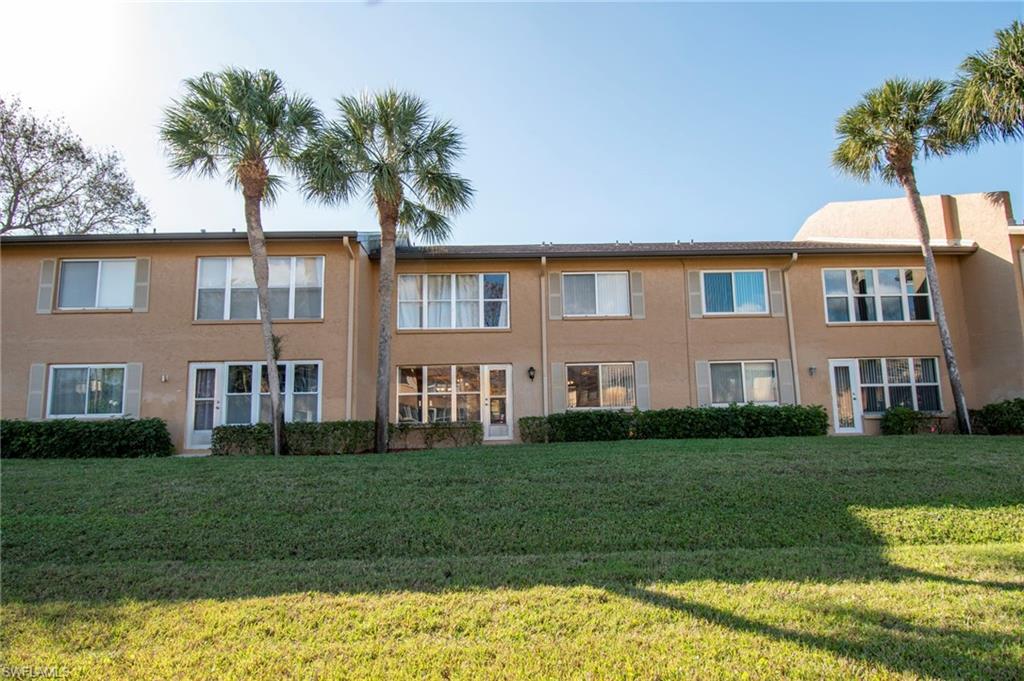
(789, 323)
(350, 351)
(544, 332)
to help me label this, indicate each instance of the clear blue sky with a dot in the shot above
(583, 122)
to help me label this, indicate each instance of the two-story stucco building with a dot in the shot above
(164, 325)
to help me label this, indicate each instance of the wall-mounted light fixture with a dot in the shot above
(532, 373)
(812, 370)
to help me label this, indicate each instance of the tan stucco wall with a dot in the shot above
(166, 338)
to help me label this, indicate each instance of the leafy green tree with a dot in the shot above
(51, 183)
(388, 148)
(245, 124)
(987, 97)
(882, 136)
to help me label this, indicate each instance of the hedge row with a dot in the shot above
(701, 422)
(1000, 418)
(75, 439)
(341, 437)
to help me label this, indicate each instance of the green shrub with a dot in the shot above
(80, 439)
(430, 435)
(327, 437)
(1000, 418)
(902, 421)
(533, 429)
(662, 424)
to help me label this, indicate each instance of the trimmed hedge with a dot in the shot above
(326, 437)
(902, 421)
(340, 437)
(1000, 418)
(82, 439)
(701, 422)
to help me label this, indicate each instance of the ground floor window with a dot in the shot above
(900, 382)
(744, 382)
(247, 400)
(86, 390)
(439, 393)
(609, 385)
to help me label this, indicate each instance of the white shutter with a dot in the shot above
(636, 293)
(133, 390)
(554, 295)
(141, 303)
(557, 387)
(47, 276)
(693, 288)
(778, 298)
(787, 393)
(703, 375)
(643, 384)
(35, 409)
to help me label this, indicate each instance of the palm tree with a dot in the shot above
(883, 135)
(245, 123)
(388, 148)
(987, 98)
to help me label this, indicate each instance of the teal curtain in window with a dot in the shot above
(750, 296)
(718, 292)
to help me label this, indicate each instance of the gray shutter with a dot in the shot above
(693, 286)
(778, 299)
(133, 390)
(557, 387)
(787, 394)
(47, 275)
(36, 408)
(555, 295)
(703, 383)
(141, 303)
(636, 293)
(643, 384)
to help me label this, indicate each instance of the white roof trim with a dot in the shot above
(968, 243)
(1017, 230)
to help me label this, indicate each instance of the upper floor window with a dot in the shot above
(600, 386)
(107, 284)
(453, 301)
(743, 383)
(734, 292)
(886, 294)
(82, 390)
(595, 294)
(226, 288)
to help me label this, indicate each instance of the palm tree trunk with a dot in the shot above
(909, 182)
(385, 290)
(261, 268)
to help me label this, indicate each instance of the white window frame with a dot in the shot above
(600, 385)
(453, 395)
(887, 383)
(597, 296)
(453, 301)
(735, 312)
(229, 260)
(743, 380)
(255, 394)
(49, 391)
(850, 296)
(99, 278)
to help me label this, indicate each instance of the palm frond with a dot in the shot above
(427, 225)
(987, 97)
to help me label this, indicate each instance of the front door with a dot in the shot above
(497, 411)
(846, 407)
(204, 388)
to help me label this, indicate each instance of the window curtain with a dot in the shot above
(617, 385)
(750, 294)
(439, 306)
(579, 294)
(760, 382)
(117, 284)
(613, 294)
(467, 295)
(78, 284)
(718, 292)
(726, 383)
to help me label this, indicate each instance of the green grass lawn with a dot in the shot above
(803, 558)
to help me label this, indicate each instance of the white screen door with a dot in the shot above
(204, 389)
(497, 411)
(846, 407)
